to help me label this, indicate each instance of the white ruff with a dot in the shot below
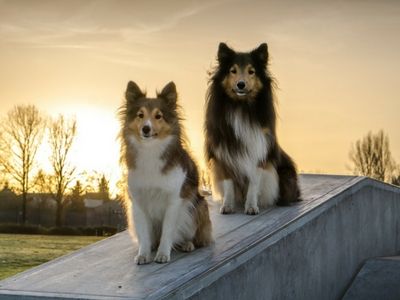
(148, 165)
(254, 142)
(153, 193)
(263, 184)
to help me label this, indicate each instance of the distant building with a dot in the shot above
(41, 209)
(41, 200)
(103, 212)
(92, 203)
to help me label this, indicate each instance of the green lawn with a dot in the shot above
(19, 252)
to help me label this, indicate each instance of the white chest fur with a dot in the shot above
(250, 135)
(254, 142)
(159, 214)
(147, 176)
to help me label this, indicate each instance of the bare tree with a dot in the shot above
(96, 182)
(42, 182)
(371, 157)
(396, 176)
(21, 133)
(62, 133)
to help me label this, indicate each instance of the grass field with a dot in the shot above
(19, 252)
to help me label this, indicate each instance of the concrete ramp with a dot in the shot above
(379, 278)
(311, 250)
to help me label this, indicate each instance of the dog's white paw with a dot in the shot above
(252, 210)
(142, 259)
(162, 258)
(186, 247)
(226, 210)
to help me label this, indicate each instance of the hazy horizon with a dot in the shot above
(336, 64)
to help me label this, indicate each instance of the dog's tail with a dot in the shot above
(288, 183)
(203, 236)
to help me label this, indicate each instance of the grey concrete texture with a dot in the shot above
(378, 279)
(310, 250)
(319, 258)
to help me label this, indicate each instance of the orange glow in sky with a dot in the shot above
(336, 63)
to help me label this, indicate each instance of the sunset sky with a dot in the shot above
(337, 65)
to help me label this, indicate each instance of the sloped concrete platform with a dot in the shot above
(379, 278)
(311, 250)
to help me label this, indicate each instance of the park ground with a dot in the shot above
(19, 252)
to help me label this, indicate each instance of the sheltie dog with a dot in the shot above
(166, 207)
(247, 163)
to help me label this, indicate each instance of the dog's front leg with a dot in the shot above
(251, 205)
(169, 231)
(228, 205)
(143, 232)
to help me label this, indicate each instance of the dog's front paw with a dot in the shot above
(252, 210)
(162, 258)
(186, 247)
(226, 210)
(142, 259)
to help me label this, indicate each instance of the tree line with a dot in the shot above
(22, 131)
(24, 127)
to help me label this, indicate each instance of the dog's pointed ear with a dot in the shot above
(224, 52)
(261, 53)
(133, 92)
(169, 92)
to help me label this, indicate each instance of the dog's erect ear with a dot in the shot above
(169, 93)
(133, 92)
(261, 53)
(224, 52)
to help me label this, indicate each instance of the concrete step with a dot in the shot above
(310, 250)
(379, 278)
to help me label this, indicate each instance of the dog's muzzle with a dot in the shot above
(147, 132)
(240, 89)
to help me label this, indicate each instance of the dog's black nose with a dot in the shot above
(241, 85)
(146, 129)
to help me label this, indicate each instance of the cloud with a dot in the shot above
(119, 32)
(92, 23)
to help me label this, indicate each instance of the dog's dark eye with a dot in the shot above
(233, 71)
(141, 115)
(251, 72)
(158, 117)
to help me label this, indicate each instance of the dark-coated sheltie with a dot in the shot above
(248, 165)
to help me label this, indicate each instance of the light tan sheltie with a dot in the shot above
(167, 210)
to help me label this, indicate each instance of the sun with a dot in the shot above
(96, 146)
